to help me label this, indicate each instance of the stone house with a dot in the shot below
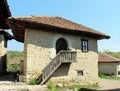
(109, 65)
(57, 49)
(4, 36)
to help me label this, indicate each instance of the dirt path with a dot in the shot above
(105, 85)
(109, 85)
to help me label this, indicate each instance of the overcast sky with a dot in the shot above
(101, 15)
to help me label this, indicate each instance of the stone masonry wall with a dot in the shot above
(40, 49)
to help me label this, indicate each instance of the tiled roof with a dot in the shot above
(4, 14)
(54, 23)
(6, 35)
(105, 58)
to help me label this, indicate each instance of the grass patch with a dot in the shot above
(110, 77)
(78, 87)
(52, 87)
(34, 81)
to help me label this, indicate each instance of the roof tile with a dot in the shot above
(107, 58)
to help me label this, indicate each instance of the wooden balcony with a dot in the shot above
(68, 56)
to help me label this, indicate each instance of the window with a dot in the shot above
(118, 72)
(84, 45)
(80, 73)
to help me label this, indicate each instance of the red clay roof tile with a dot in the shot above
(54, 23)
(105, 58)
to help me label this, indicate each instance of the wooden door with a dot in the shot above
(61, 44)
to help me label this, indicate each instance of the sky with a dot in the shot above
(101, 15)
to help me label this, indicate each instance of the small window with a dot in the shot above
(84, 45)
(80, 73)
(118, 72)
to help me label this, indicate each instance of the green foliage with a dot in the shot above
(103, 76)
(10, 56)
(34, 81)
(52, 87)
(14, 67)
(78, 87)
(110, 77)
(114, 54)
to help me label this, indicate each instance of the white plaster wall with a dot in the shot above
(108, 68)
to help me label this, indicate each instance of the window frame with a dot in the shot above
(84, 45)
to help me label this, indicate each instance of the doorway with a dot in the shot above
(61, 44)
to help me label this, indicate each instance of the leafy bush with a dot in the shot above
(14, 68)
(107, 76)
(34, 81)
(52, 87)
(10, 56)
(102, 76)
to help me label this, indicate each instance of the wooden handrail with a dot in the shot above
(61, 57)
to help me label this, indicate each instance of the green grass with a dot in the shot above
(52, 87)
(78, 87)
(103, 76)
(34, 81)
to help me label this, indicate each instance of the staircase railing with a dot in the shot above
(61, 57)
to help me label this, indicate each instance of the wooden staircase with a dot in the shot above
(61, 57)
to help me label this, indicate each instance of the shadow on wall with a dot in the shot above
(62, 70)
(86, 89)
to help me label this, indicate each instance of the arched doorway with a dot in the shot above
(61, 44)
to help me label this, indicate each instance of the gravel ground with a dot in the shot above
(23, 88)
(109, 85)
(105, 85)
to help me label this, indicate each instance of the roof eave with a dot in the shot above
(22, 25)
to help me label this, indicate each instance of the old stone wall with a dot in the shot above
(40, 49)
